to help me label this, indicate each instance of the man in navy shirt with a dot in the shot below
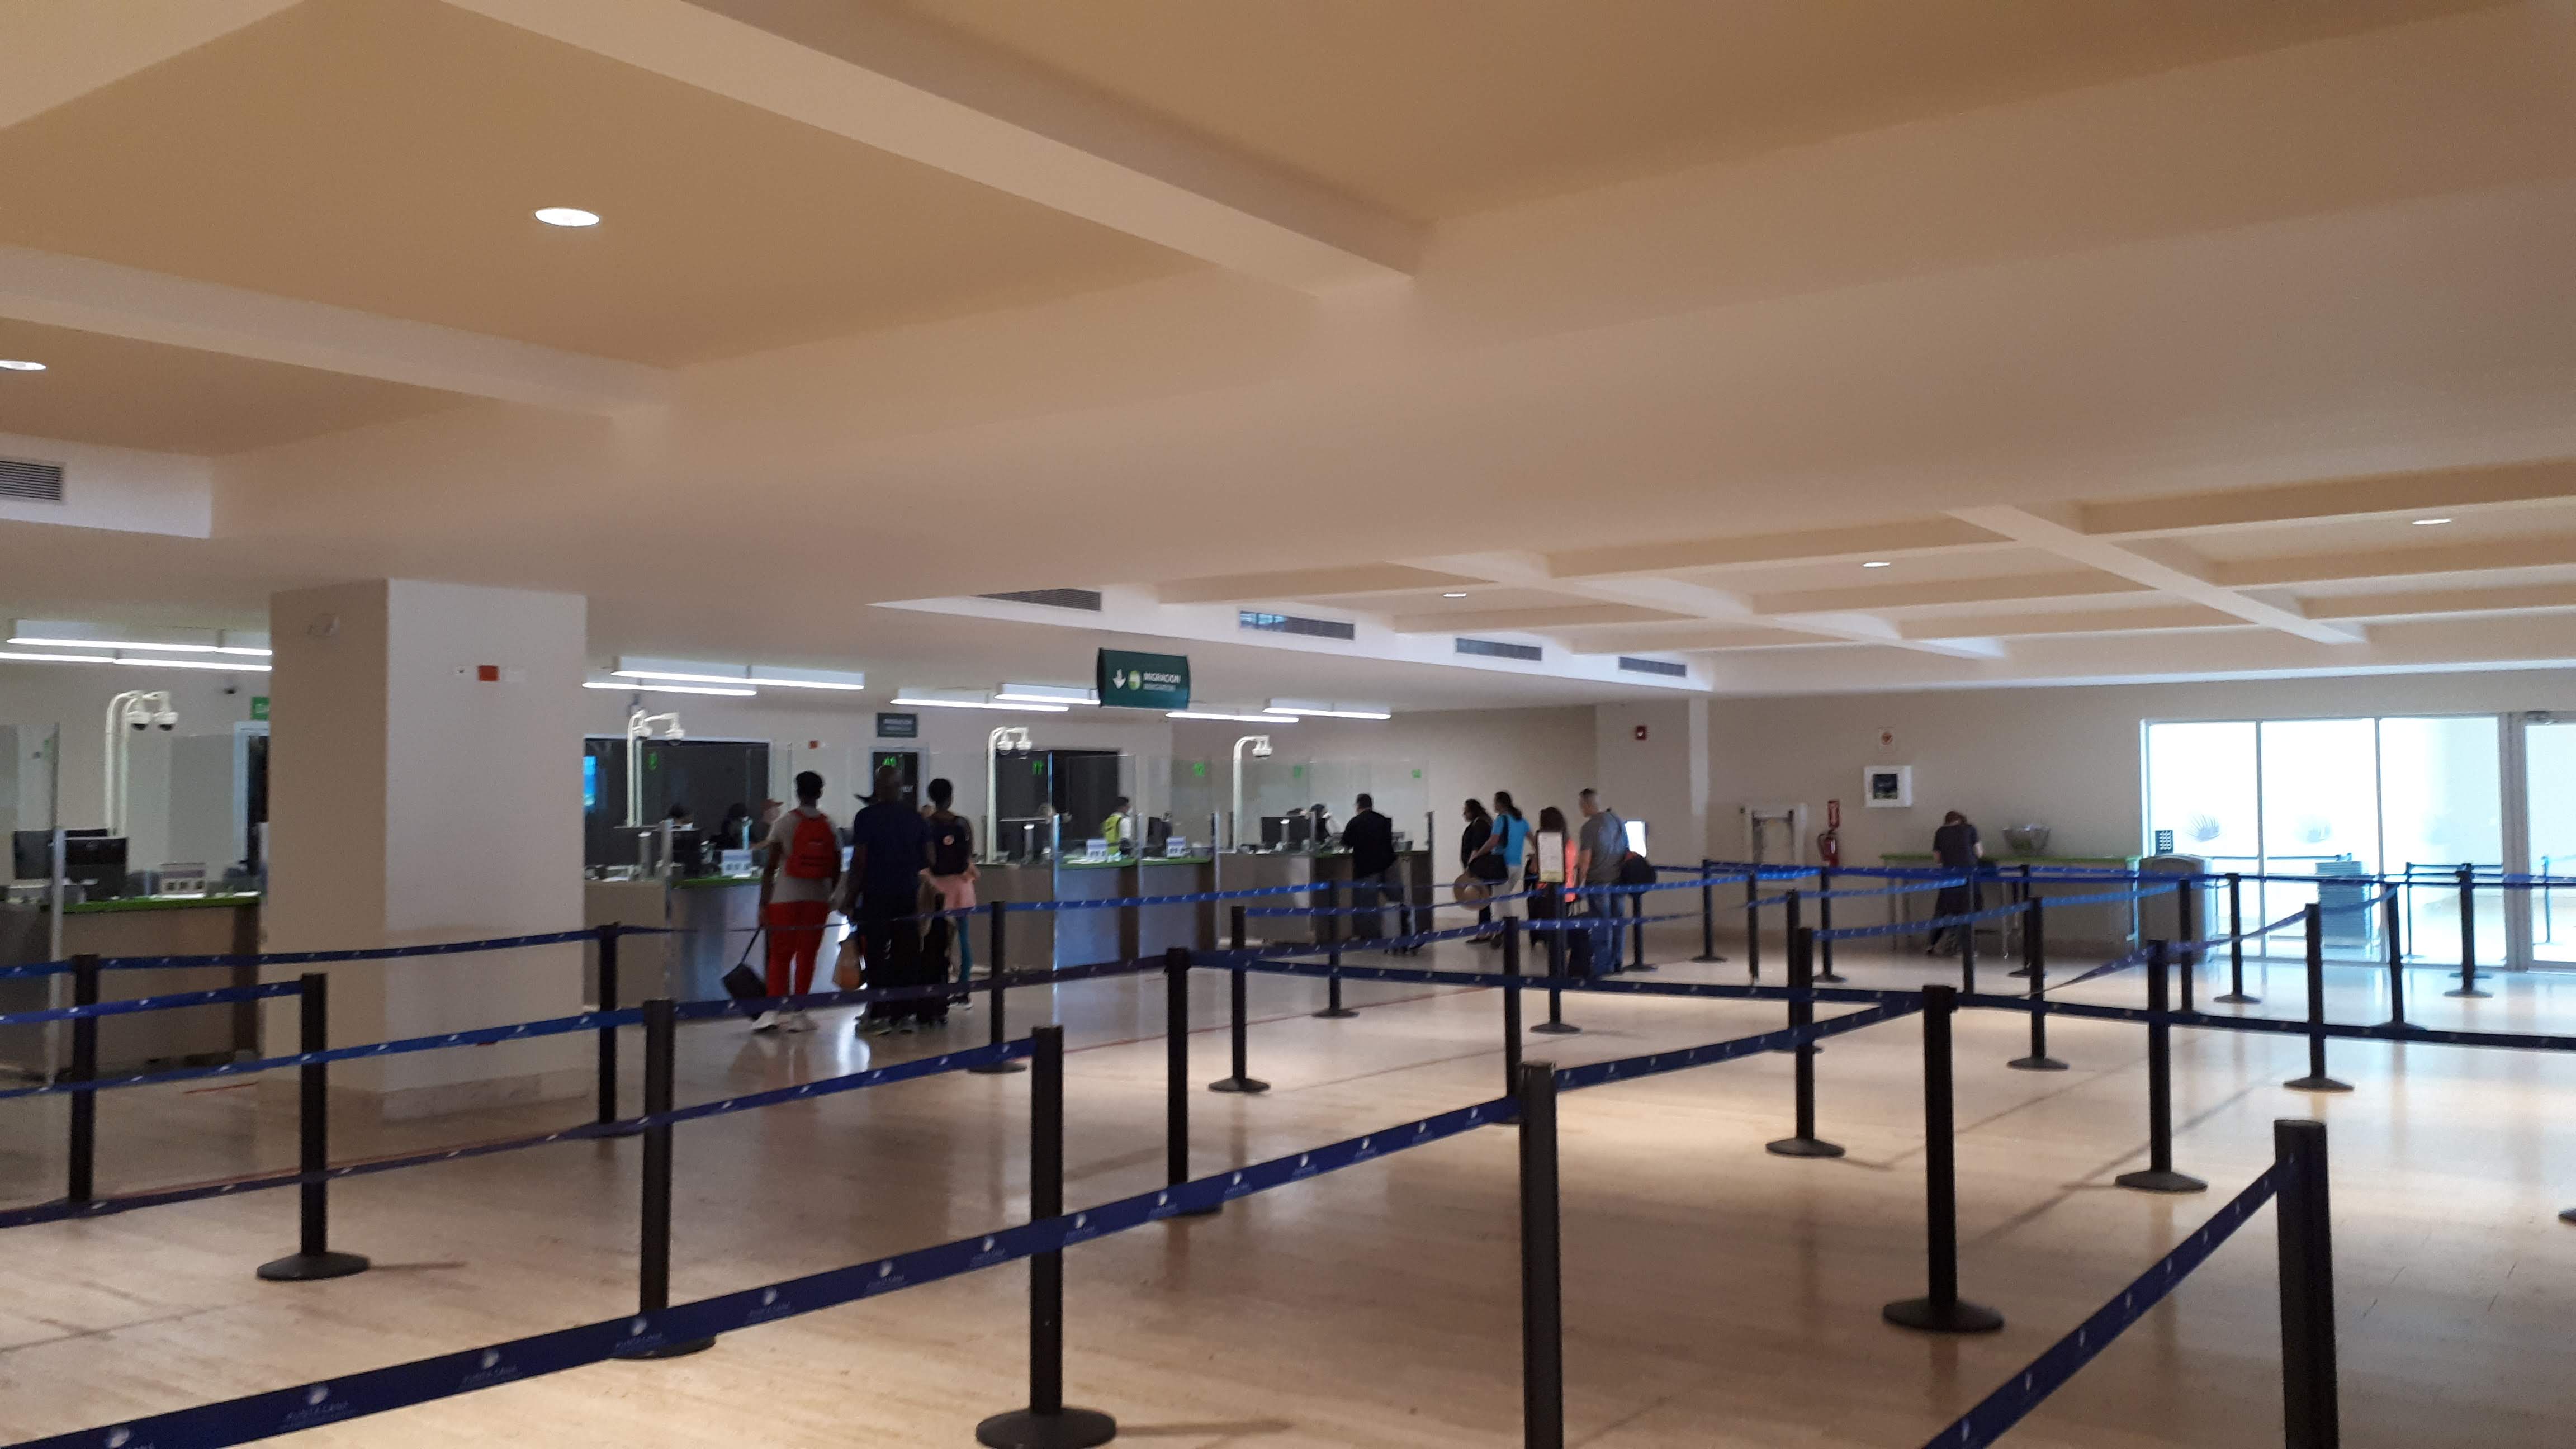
(889, 852)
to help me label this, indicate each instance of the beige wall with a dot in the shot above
(2069, 758)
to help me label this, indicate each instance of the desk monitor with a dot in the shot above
(97, 863)
(31, 854)
(1636, 835)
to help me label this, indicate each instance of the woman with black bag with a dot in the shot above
(1479, 878)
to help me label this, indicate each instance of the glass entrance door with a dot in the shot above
(2549, 810)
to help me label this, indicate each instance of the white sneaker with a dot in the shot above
(798, 1020)
(766, 1021)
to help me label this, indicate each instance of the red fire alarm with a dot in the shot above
(487, 673)
(1641, 732)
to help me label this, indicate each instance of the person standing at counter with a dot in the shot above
(1471, 846)
(952, 874)
(1509, 843)
(1959, 850)
(799, 874)
(1114, 829)
(1370, 838)
(889, 855)
(1600, 848)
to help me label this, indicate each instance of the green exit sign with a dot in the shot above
(259, 706)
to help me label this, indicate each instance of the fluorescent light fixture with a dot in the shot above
(1453, 596)
(567, 216)
(1327, 709)
(1047, 694)
(909, 701)
(1878, 563)
(58, 658)
(20, 364)
(216, 664)
(670, 688)
(2429, 522)
(1220, 714)
(67, 634)
(771, 681)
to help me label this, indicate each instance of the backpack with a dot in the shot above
(814, 852)
(1634, 870)
(952, 847)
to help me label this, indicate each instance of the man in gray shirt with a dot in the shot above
(1599, 847)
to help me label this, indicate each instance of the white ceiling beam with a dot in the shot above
(92, 296)
(1696, 601)
(1822, 545)
(2544, 551)
(1938, 593)
(61, 50)
(1354, 581)
(2444, 490)
(903, 85)
(2129, 563)
(2509, 599)
(1696, 637)
(2092, 621)
(1541, 619)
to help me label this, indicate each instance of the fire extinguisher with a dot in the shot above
(1829, 846)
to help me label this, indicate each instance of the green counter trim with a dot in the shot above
(1152, 860)
(233, 901)
(698, 882)
(2123, 862)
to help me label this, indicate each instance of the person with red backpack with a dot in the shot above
(797, 881)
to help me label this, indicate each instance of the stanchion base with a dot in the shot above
(1634, 969)
(2237, 998)
(312, 1267)
(1053, 1429)
(1925, 1315)
(2470, 992)
(681, 1349)
(1335, 1013)
(2317, 1084)
(997, 1069)
(2036, 1064)
(2150, 1180)
(1711, 960)
(1555, 1028)
(1803, 1147)
(2019, 972)
(1828, 978)
(2568, 1216)
(1241, 1086)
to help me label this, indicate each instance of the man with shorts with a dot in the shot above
(799, 871)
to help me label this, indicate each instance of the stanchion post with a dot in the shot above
(2468, 986)
(1968, 943)
(1542, 1280)
(1941, 1310)
(2388, 913)
(1753, 925)
(81, 1178)
(1802, 1141)
(653, 1269)
(994, 915)
(1511, 1004)
(1238, 1030)
(1825, 975)
(2236, 943)
(1637, 933)
(2185, 953)
(313, 1259)
(1707, 912)
(608, 1029)
(1329, 933)
(1176, 1059)
(2034, 952)
(2311, 1417)
(1556, 1024)
(1046, 1423)
(2159, 1174)
(2316, 1080)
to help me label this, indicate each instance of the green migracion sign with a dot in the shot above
(259, 706)
(1128, 680)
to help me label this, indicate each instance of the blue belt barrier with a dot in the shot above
(2049, 1372)
(1475, 980)
(60, 1211)
(2510, 1040)
(372, 953)
(1594, 1074)
(352, 1396)
(153, 1003)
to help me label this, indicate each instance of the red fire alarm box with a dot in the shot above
(1641, 732)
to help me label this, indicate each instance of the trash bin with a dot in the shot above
(2160, 916)
(2343, 885)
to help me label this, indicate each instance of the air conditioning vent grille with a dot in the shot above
(1665, 667)
(1269, 623)
(1087, 600)
(1496, 649)
(31, 482)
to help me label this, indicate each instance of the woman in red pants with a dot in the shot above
(802, 869)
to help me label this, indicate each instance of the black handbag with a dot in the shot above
(742, 983)
(1488, 868)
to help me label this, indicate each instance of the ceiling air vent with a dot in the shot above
(1496, 649)
(1085, 599)
(31, 482)
(1269, 623)
(1664, 667)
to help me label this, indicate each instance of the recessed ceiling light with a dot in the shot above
(567, 216)
(1877, 563)
(2429, 522)
(20, 364)
(1453, 596)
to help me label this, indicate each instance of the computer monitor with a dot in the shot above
(95, 862)
(31, 854)
(1275, 830)
(1636, 835)
(1158, 833)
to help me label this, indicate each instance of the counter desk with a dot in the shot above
(2099, 926)
(1028, 937)
(212, 925)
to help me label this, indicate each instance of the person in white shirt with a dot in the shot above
(800, 870)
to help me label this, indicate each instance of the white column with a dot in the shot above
(425, 785)
(1661, 779)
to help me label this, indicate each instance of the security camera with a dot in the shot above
(167, 719)
(675, 733)
(1261, 750)
(139, 723)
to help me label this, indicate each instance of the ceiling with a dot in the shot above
(1440, 108)
(2130, 337)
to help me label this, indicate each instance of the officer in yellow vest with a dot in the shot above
(1114, 829)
